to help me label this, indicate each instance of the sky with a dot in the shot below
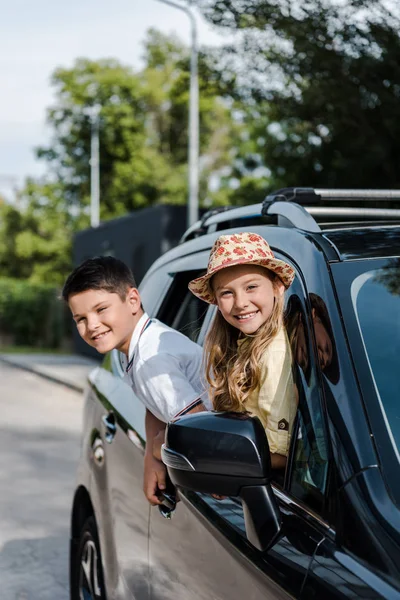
(37, 37)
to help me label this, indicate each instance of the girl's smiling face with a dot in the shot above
(245, 295)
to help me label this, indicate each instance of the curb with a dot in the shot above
(72, 386)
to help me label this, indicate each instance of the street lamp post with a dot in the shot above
(94, 116)
(193, 137)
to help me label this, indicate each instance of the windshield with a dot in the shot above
(376, 301)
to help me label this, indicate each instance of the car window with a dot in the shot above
(211, 310)
(380, 288)
(181, 310)
(369, 296)
(153, 288)
(306, 479)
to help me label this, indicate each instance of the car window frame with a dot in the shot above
(284, 491)
(323, 516)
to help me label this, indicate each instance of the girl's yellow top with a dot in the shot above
(274, 402)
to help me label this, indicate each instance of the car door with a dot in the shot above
(203, 552)
(363, 561)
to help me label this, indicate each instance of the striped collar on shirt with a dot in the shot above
(143, 323)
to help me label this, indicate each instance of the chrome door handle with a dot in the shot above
(168, 499)
(110, 426)
(168, 505)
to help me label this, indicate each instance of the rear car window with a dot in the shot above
(376, 300)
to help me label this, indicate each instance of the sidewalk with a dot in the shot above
(67, 369)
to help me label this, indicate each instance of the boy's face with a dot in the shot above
(104, 320)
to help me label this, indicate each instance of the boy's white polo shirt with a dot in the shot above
(164, 369)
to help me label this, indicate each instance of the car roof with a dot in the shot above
(291, 241)
(342, 233)
(365, 242)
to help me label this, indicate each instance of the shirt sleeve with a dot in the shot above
(165, 387)
(276, 399)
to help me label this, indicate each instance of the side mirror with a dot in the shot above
(226, 454)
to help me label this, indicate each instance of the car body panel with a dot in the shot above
(344, 570)
(122, 509)
(297, 241)
(208, 555)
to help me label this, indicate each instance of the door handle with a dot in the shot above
(110, 426)
(168, 499)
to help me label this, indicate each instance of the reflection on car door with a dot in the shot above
(122, 437)
(203, 553)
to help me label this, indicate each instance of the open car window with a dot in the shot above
(307, 470)
(180, 309)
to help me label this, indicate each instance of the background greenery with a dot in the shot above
(31, 314)
(302, 94)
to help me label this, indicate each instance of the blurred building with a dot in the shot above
(138, 239)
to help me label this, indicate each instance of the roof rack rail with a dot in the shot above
(303, 195)
(302, 208)
(288, 204)
(198, 228)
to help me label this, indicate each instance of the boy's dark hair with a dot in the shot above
(99, 273)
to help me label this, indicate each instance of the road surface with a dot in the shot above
(40, 425)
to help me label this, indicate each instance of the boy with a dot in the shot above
(162, 366)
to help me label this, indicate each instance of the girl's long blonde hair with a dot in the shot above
(234, 375)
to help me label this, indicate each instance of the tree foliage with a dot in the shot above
(36, 235)
(321, 82)
(143, 127)
(304, 94)
(143, 152)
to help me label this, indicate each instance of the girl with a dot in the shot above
(248, 362)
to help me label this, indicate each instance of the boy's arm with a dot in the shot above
(154, 470)
(162, 382)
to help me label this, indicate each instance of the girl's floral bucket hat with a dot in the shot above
(239, 249)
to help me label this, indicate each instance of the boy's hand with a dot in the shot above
(158, 441)
(154, 478)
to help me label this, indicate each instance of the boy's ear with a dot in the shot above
(133, 298)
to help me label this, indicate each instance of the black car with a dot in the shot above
(327, 527)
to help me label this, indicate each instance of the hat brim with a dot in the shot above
(201, 287)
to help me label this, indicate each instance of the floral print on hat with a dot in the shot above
(239, 249)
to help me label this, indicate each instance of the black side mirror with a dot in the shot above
(226, 454)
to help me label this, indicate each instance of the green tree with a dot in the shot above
(143, 128)
(11, 224)
(36, 236)
(143, 152)
(321, 83)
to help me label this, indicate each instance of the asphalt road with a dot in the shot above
(39, 450)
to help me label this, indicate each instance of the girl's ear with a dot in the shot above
(279, 287)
